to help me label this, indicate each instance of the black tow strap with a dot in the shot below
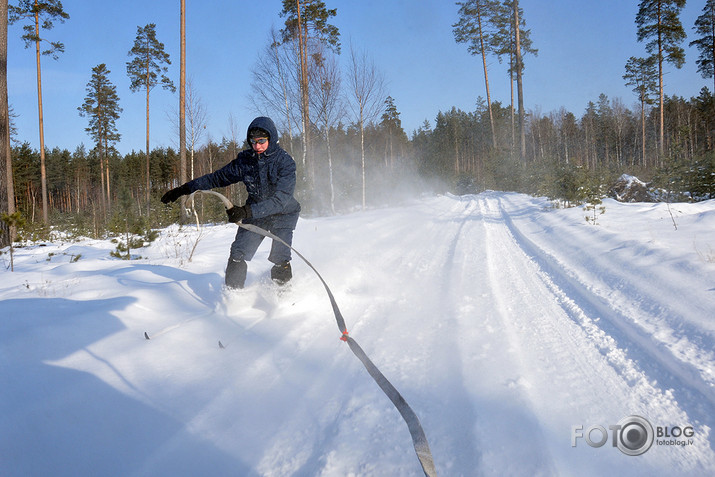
(419, 439)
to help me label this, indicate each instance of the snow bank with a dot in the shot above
(513, 330)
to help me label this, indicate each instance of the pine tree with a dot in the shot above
(395, 134)
(514, 43)
(642, 75)
(314, 21)
(476, 27)
(658, 22)
(705, 28)
(40, 16)
(101, 106)
(146, 71)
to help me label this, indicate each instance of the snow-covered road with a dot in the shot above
(514, 330)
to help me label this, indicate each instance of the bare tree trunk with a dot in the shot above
(101, 176)
(362, 158)
(43, 173)
(148, 179)
(182, 99)
(367, 90)
(660, 86)
(661, 141)
(285, 100)
(305, 109)
(182, 109)
(511, 111)
(106, 172)
(330, 169)
(457, 161)
(486, 76)
(643, 132)
(519, 88)
(712, 36)
(5, 239)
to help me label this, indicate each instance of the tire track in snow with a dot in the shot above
(545, 368)
(658, 303)
(464, 353)
(612, 329)
(455, 364)
(487, 367)
(380, 312)
(468, 448)
(565, 371)
(428, 358)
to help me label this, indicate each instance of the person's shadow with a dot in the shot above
(62, 422)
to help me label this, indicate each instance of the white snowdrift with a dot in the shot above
(505, 324)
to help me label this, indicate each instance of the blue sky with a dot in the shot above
(583, 47)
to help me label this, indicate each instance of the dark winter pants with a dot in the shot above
(246, 243)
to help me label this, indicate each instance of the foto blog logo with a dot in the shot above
(633, 435)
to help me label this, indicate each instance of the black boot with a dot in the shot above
(236, 273)
(281, 273)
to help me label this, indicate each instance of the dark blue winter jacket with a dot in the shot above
(269, 177)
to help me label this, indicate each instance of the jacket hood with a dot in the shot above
(266, 124)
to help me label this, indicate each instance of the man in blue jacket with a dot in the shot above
(269, 174)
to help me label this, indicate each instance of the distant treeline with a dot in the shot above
(456, 155)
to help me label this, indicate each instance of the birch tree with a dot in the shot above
(328, 107)
(366, 86)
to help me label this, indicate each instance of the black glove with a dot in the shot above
(174, 194)
(237, 214)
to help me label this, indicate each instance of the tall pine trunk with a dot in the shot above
(519, 87)
(661, 96)
(106, 170)
(182, 100)
(511, 104)
(6, 165)
(148, 179)
(486, 76)
(305, 109)
(43, 173)
(643, 131)
(101, 176)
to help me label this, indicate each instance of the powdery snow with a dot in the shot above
(503, 322)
